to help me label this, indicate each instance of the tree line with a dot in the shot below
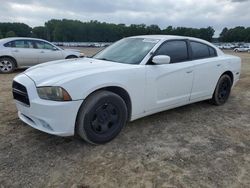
(76, 31)
(237, 34)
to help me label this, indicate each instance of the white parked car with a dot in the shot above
(228, 46)
(132, 78)
(242, 49)
(26, 52)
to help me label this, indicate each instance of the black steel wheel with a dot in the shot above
(222, 90)
(101, 117)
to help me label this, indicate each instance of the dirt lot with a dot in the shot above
(198, 145)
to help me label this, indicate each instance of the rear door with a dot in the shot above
(47, 52)
(208, 68)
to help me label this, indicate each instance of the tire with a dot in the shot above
(7, 65)
(236, 51)
(248, 51)
(101, 117)
(222, 90)
(71, 57)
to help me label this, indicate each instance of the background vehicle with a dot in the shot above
(242, 49)
(226, 46)
(26, 52)
(132, 78)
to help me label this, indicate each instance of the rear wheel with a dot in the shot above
(101, 117)
(222, 90)
(7, 65)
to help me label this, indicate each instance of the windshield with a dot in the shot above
(128, 50)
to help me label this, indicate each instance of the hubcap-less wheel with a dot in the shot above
(222, 90)
(105, 118)
(101, 117)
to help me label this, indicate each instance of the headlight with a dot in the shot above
(54, 93)
(82, 54)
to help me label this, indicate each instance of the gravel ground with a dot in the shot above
(198, 145)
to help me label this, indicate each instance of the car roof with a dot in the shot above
(177, 37)
(168, 37)
(4, 40)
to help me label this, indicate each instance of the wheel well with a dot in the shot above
(123, 94)
(71, 56)
(230, 74)
(6, 56)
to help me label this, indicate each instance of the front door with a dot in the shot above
(169, 84)
(47, 52)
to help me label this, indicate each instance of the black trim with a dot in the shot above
(20, 93)
(189, 50)
(155, 52)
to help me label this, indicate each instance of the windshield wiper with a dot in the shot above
(105, 59)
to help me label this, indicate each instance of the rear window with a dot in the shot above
(19, 44)
(212, 52)
(8, 44)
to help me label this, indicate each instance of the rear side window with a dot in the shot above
(8, 44)
(176, 50)
(201, 50)
(19, 44)
(212, 52)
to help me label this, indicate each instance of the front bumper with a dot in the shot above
(52, 117)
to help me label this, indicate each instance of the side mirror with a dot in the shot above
(161, 59)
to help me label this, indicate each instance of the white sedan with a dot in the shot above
(25, 52)
(134, 77)
(242, 49)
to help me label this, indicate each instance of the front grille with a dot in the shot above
(20, 93)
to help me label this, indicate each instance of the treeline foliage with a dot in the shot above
(237, 34)
(77, 31)
(14, 29)
(94, 31)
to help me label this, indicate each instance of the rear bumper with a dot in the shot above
(57, 118)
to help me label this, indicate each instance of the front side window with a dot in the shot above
(128, 50)
(176, 50)
(43, 45)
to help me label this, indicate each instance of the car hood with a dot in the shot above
(57, 72)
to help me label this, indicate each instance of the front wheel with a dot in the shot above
(101, 117)
(71, 57)
(222, 90)
(7, 65)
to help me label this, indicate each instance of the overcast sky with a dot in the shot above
(188, 13)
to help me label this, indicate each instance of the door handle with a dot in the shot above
(188, 72)
(218, 65)
(15, 50)
(42, 52)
